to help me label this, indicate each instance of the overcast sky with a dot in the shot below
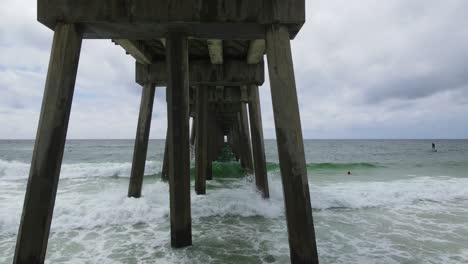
(364, 69)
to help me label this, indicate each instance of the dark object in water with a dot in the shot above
(349, 173)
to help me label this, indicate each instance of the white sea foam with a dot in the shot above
(95, 218)
(399, 192)
(107, 205)
(240, 200)
(15, 170)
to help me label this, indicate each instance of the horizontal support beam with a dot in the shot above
(256, 51)
(145, 31)
(150, 19)
(137, 49)
(215, 48)
(231, 73)
(220, 99)
(227, 95)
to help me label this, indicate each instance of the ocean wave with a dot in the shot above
(358, 195)
(227, 170)
(15, 170)
(110, 206)
(331, 166)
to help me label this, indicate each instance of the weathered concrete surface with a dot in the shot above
(233, 139)
(215, 48)
(290, 147)
(193, 131)
(245, 144)
(150, 19)
(202, 72)
(38, 208)
(202, 147)
(179, 150)
(220, 140)
(141, 28)
(256, 129)
(137, 49)
(209, 167)
(141, 141)
(165, 166)
(256, 51)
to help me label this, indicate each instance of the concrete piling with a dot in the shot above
(31, 245)
(193, 131)
(211, 119)
(179, 151)
(245, 143)
(141, 141)
(258, 147)
(302, 245)
(201, 154)
(227, 46)
(165, 166)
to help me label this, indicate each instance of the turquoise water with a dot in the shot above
(402, 203)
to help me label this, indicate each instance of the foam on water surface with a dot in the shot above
(378, 215)
(16, 170)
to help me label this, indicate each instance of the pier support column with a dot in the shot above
(261, 178)
(202, 147)
(165, 166)
(33, 234)
(244, 134)
(211, 119)
(179, 151)
(141, 141)
(301, 232)
(220, 139)
(193, 131)
(233, 143)
(193, 137)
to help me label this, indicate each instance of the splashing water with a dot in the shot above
(391, 210)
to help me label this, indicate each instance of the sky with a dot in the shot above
(364, 69)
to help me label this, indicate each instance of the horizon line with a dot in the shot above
(4, 139)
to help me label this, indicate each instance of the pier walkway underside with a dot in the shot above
(210, 57)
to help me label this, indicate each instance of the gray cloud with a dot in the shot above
(364, 69)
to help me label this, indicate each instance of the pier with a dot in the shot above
(210, 57)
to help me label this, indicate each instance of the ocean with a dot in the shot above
(402, 203)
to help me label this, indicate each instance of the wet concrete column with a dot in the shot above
(209, 167)
(220, 139)
(165, 166)
(193, 136)
(202, 147)
(233, 142)
(245, 144)
(300, 223)
(179, 150)
(141, 141)
(193, 131)
(33, 234)
(256, 129)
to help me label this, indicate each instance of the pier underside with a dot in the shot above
(210, 57)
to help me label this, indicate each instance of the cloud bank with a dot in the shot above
(364, 69)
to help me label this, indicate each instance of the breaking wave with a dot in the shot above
(358, 195)
(331, 166)
(15, 170)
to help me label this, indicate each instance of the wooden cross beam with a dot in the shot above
(150, 19)
(215, 47)
(230, 73)
(136, 49)
(256, 51)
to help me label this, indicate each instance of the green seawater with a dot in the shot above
(402, 203)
